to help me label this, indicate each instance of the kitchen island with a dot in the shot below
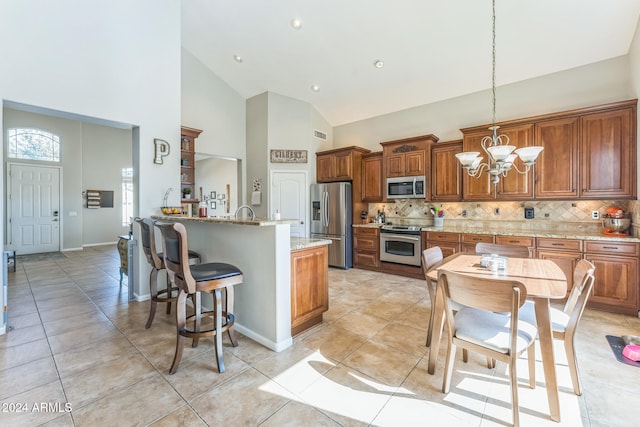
(262, 250)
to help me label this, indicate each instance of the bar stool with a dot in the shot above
(210, 277)
(156, 261)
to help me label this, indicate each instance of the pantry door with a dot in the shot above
(289, 196)
(34, 208)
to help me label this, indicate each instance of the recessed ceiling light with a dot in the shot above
(378, 63)
(296, 23)
(237, 58)
(315, 88)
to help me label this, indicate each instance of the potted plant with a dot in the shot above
(186, 193)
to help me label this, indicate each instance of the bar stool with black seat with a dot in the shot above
(156, 261)
(213, 278)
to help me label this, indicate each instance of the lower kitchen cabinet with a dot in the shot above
(469, 241)
(616, 279)
(366, 248)
(449, 243)
(529, 242)
(309, 287)
(564, 252)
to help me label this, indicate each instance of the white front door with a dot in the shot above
(34, 208)
(289, 196)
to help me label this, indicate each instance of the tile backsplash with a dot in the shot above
(556, 215)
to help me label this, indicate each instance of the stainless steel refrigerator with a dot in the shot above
(331, 219)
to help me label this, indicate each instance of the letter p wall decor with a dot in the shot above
(161, 150)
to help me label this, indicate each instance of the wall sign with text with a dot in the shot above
(288, 156)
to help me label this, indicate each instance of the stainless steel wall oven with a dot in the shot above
(401, 244)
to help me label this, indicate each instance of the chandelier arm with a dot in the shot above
(526, 170)
(478, 171)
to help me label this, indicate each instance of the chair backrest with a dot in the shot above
(149, 242)
(583, 278)
(504, 250)
(176, 255)
(430, 257)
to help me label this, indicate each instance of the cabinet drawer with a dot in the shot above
(366, 260)
(477, 238)
(443, 237)
(365, 231)
(365, 243)
(611, 247)
(516, 241)
(560, 244)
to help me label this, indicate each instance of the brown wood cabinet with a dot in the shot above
(372, 185)
(469, 241)
(366, 248)
(309, 287)
(449, 243)
(340, 164)
(557, 165)
(407, 157)
(529, 242)
(514, 186)
(564, 252)
(188, 162)
(446, 172)
(615, 287)
(608, 154)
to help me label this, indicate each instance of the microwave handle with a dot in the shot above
(414, 187)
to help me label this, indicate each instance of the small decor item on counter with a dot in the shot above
(171, 210)
(614, 222)
(614, 212)
(363, 216)
(186, 193)
(438, 216)
(202, 209)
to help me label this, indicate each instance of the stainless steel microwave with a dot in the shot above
(408, 187)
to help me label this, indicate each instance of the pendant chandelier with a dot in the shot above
(500, 154)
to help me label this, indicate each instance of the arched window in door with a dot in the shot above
(33, 144)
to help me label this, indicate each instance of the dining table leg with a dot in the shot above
(436, 331)
(545, 335)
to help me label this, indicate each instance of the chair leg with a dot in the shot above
(429, 327)
(491, 363)
(465, 355)
(573, 364)
(169, 294)
(513, 378)
(181, 324)
(197, 302)
(153, 290)
(217, 296)
(229, 296)
(531, 357)
(121, 272)
(448, 369)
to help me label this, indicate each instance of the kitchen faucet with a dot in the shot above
(253, 214)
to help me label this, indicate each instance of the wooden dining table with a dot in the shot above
(544, 281)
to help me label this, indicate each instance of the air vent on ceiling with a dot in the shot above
(320, 135)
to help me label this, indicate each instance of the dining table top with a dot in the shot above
(541, 277)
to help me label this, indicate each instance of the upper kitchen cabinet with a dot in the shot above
(608, 153)
(556, 168)
(407, 157)
(514, 186)
(340, 164)
(188, 162)
(372, 188)
(446, 172)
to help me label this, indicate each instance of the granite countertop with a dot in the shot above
(557, 234)
(226, 220)
(298, 243)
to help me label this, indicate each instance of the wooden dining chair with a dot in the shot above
(430, 258)
(565, 322)
(482, 326)
(504, 250)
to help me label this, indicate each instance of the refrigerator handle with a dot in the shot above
(326, 208)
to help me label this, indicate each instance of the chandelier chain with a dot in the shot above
(493, 62)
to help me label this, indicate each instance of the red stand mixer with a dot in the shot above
(614, 222)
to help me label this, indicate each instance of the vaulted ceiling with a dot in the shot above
(431, 49)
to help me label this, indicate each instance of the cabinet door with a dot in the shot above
(616, 283)
(608, 159)
(556, 168)
(309, 285)
(565, 260)
(414, 163)
(448, 248)
(372, 186)
(446, 173)
(479, 188)
(344, 166)
(516, 186)
(325, 168)
(395, 165)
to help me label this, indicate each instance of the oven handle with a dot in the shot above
(400, 237)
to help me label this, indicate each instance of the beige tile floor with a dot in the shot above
(78, 341)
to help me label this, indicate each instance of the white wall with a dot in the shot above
(116, 60)
(592, 84)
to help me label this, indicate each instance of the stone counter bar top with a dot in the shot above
(261, 222)
(299, 243)
(514, 231)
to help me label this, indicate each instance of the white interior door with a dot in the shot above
(289, 196)
(34, 208)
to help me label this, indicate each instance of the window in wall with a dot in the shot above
(33, 144)
(127, 196)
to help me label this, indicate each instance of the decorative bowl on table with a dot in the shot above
(171, 210)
